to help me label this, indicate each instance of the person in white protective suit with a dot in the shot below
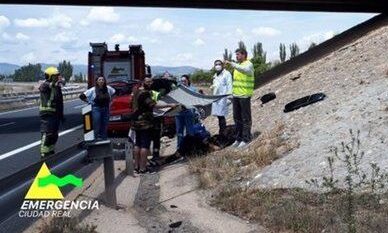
(222, 85)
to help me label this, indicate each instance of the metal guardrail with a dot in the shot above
(77, 159)
(14, 187)
(25, 93)
(36, 96)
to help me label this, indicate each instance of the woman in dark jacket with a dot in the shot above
(99, 97)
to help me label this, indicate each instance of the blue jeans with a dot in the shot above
(100, 122)
(184, 120)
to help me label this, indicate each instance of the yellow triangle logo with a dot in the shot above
(50, 191)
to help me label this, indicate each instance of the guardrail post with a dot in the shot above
(102, 150)
(109, 177)
(129, 158)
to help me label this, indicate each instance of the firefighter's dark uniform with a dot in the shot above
(51, 113)
(156, 132)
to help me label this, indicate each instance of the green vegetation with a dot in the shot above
(356, 180)
(294, 50)
(282, 52)
(28, 73)
(359, 205)
(66, 70)
(79, 78)
(312, 45)
(33, 72)
(259, 60)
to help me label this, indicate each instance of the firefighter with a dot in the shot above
(50, 110)
(143, 123)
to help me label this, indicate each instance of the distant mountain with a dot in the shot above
(77, 68)
(176, 71)
(7, 69)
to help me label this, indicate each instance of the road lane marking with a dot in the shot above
(80, 106)
(21, 149)
(10, 123)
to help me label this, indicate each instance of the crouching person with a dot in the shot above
(143, 123)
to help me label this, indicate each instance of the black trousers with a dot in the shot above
(156, 133)
(221, 124)
(49, 125)
(242, 118)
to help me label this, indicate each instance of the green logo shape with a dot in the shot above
(60, 182)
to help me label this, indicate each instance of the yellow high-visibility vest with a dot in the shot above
(243, 84)
(155, 95)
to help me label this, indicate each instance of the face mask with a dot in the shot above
(218, 68)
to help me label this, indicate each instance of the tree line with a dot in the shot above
(34, 73)
(258, 59)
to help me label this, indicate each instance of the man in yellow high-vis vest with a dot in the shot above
(243, 85)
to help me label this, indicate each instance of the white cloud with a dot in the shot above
(266, 31)
(57, 20)
(21, 36)
(199, 42)
(31, 22)
(151, 40)
(61, 20)
(10, 39)
(29, 57)
(122, 38)
(64, 37)
(183, 57)
(200, 30)
(101, 15)
(5, 36)
(239, 32)
(4, 22)
(161, 25)
(117, 38)
(132, 39)
(317, 38)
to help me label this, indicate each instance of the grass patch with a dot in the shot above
(296, 210)
(231, 166)
(66, 225)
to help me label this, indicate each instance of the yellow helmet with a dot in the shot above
(51, 71)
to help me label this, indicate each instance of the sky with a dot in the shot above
(170, 36)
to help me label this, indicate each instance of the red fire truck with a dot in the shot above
(123, 70)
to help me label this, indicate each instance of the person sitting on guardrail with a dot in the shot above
(50, 110)
(99, 97)
(143, 123)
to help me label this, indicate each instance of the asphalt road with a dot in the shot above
(20, 136)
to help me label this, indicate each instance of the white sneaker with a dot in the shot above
(236, 143)
(242, 145)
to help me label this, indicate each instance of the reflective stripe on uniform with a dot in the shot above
(49, 102)
(44, 149)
